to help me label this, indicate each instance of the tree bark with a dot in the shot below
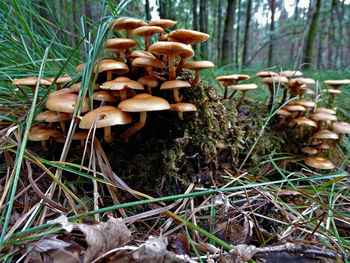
(246, 33)
(311, 35)
(162, 8)
(218, 36)
(272, 4)
(292, 56)
(227, 43)
(237, 33)
(203, 21)
(147, 11)
(195, 15)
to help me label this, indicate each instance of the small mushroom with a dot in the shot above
(52, 116)
(105, 117)
(163, 23)
(244, 88)
(175, 85)
(42, 135)
(122, 84)
(197, 66)
(149, 82)
(319, 163)
(60, 80)
(141, 103)
(126, 23)
(301, 122)
(146, 32)
(182, 107)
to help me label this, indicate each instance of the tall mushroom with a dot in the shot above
(197, 66)
(122, 45)
(141, 103)
(163, 23)
(110, 65)
(126, 23)
(272, 83)
(244, 88)
(146, 32)
(175, 85)
(122, 84)
(60, 80)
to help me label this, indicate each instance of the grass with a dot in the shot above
(34, 46)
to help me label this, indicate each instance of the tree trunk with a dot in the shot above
(227, 43)
(237, 33)
(330, 37)
(272, 4)
(219, 29)
(195, 15)
(203, 18)
(311, 35)
(246, 33)
(292, 56)
(162, 8)
(147, 11)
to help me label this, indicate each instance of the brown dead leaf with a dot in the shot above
(104, 237)
(180, 243)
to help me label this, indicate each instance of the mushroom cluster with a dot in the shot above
(323, 130)
(126, 77)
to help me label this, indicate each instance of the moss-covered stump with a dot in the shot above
(168, 153)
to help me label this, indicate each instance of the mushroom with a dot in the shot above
(105, 117)
(244, 88)
(126, 23)
(188, 37)
(301, 122)
(122, 45)
(148, 63)
(309, 150)
(77, 86)
(163, 23)
(182, 107)
(122, 84)
(197, 66)
(291, 73)
(175, 85)
(265, 74)
(141, 103)
(294, 85)
(149, 82)
(146, 32)
(30, 82)
(319, 163)
(341, 128)
(103, 96)
(60, 80)
(272, 82)
(110, 66)
(284, 113)
(42, 135)
(171, 49)
(322, 117)
(228, 80)
(66, 103)
(52, 116)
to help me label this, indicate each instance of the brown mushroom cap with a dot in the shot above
(80, 67)
(265, 74)
(66, 78)
(174, 84)
(183, 107)
(305, 103)
(121, 83)
(294, 108)
(144, 102)
(171, 48)
(341, 127)
(52, 116)
(274, 79)
(187, 36)
(291, 73)
(126, 23)
(121, 43)
(321, 116)
(199, 65)
(331, 91)
(325, 110)
(147, 30)
(63, 91)
(304, 90)
(319, 163)
(245, 87)
(141, 53)
(309, 150)
(301, 81)
(232, 77)
(30, 81)
(304, 121)
(148, 62)
(65, 103)
(325, 134)
(148, 81)
(103, 96)
(337, 83)
(111, 65)
(284, 112)
(163, 23)
(104, 116)
(42, 134)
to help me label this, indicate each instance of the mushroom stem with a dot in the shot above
(172, 74)
(271, 96)
(181, 115)
(149, 90)
(44, 146)
(128, 33)
(122, 94)
(284, 97)
(150, 72)
(109, 75)
(146, 43)
(241, 100)
(226, 90)
(63, 126)
(179, 66)
(58, 85)
(233, 94)
(281, 122)
(301, 128)
(107, 136)
(196, 78)
(138, 126)
(177, 95)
